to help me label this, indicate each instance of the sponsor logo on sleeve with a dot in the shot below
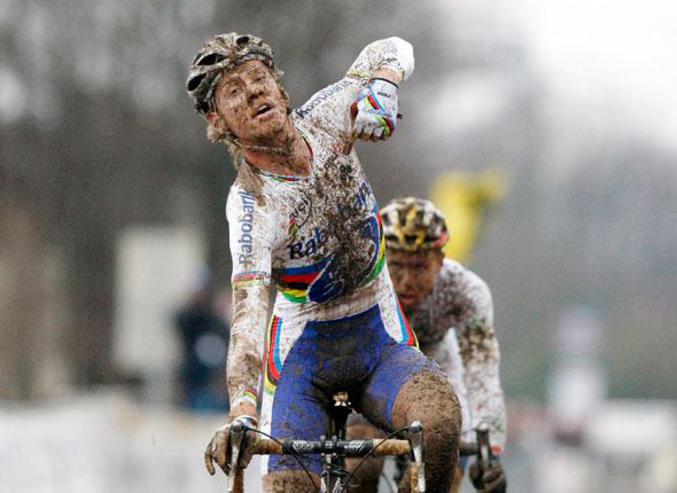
(246, 225)
(321, 97)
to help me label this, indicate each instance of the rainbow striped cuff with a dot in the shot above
(250, 278)
(246, 395)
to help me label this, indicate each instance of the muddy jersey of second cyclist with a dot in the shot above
(455, 327)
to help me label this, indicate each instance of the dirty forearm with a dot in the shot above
(480, 354)
(250, 311)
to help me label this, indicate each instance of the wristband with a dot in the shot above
(384, 80)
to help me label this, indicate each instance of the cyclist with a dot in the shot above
(303, 218)
(451, 310)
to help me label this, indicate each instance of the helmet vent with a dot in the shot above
(242, 40)
(195, 82)
(211, 59)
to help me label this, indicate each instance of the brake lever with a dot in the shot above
(416, 438)
(484, 454)
(237, 433)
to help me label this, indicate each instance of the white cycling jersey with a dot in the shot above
(455, 327)
(317, 239)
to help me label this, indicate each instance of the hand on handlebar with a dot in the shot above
(488, 479)
(220, 448)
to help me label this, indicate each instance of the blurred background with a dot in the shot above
(544, 128)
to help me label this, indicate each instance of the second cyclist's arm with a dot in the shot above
(447, 354)
(481, 357)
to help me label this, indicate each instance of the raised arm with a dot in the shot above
(480, 354)
(364, 103)
(384, 64)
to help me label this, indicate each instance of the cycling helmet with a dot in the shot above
(218, 55)
(413, 224)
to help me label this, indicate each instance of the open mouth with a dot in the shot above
(263, 109)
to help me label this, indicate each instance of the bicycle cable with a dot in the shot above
(371, 452)
(294, 454)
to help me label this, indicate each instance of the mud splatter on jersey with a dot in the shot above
(317, 239)
(455, 327)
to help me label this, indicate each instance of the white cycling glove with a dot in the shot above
(376, 111)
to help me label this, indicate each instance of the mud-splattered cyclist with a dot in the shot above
(303, 220)
(451, 310)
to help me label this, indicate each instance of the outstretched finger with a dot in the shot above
(209, 464)
(221, 450)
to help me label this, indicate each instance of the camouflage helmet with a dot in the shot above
(218, 55)
(413, 224)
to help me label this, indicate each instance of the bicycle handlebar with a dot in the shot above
(346, 448)
(351, 448)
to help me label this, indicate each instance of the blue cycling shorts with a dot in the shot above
(354, 354)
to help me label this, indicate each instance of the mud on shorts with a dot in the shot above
(354, 354)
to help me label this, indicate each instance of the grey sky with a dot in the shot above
(608, 55)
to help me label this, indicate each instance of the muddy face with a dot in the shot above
(250, 104)
(413, 275)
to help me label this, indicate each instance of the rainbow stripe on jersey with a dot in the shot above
(295, 283)
(278, 178)
(250, 278)
(273, 366)
(408, 335)
(380, 253)
(318, 282)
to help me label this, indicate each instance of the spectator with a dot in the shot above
(204, 332)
